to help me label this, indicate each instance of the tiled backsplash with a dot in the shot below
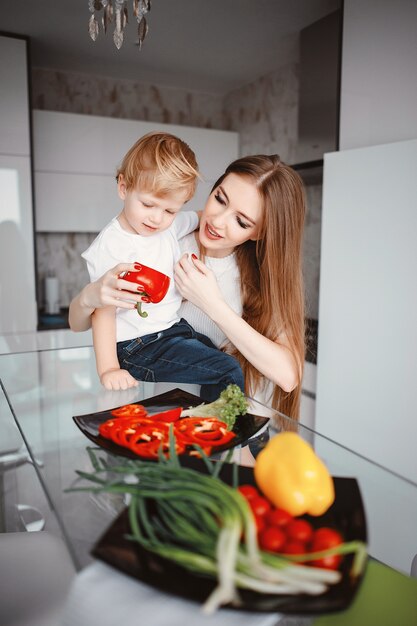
(59, 254)
(265, 113)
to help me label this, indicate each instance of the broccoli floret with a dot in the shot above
(227, 407)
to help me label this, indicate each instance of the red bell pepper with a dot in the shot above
(151, 284)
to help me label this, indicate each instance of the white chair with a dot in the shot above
(36, 572)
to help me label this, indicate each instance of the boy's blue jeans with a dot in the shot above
(180, 354)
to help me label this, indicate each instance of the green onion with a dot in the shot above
(198, 522)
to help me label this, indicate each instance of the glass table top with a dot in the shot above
(40, 393)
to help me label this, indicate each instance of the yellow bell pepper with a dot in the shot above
(292, 477)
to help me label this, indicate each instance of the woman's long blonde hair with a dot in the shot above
(272, 287)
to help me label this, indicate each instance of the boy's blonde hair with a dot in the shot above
(160, 163)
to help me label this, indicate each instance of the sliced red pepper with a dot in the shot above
(130, 410)
(116, 431)
(148, 450)
(194, 438)
(147, 439)
(104, 428)
(210, 435)
(117, 428)
(130, 426)
(146, 434)
(172, 415)
(151, 431)
(204, 430)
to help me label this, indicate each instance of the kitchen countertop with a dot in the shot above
(56, 321)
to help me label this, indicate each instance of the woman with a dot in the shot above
(248, 295)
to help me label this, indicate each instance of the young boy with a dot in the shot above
(157, 176)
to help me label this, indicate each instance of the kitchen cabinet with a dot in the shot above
(18, 312)
(76, 158)
(75, 202)
(14, 100)
(319, 72)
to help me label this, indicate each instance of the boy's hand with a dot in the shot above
(117, 379)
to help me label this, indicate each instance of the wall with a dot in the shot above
(98, 95)
(379, 73)
(264, 113)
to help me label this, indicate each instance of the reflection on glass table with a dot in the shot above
(23, 503)
(47, 388)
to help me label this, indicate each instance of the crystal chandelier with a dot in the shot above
(116, 11)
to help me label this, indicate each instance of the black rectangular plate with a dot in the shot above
(346, 515)
(245, 426)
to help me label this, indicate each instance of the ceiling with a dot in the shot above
(206, 45)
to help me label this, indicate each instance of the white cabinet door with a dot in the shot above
(64, 201)
(76, 158)
(17, 268)
(71, 142)
(14, 100)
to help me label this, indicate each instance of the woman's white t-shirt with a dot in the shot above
(228, 279)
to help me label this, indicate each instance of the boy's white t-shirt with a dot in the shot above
(161, 251)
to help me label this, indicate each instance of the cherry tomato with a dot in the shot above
(323, 539)
(249, 491)
(299, 530)
(271, 538)
(278, 517)
(293, 547)
(259, 505)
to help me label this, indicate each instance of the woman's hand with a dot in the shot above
(112, 290)
(109, 290)
(273, 359)
(197, 283)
